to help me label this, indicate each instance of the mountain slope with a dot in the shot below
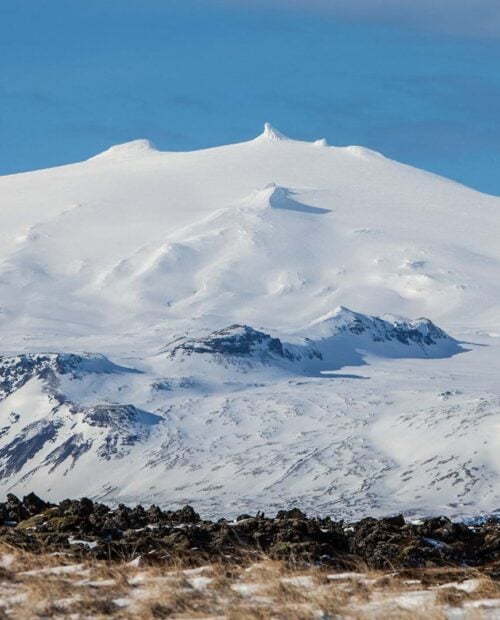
(213, 288)
(136, 236)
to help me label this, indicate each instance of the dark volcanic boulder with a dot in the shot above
(294, 513)
(34, 505)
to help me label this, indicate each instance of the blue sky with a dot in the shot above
(421, 85)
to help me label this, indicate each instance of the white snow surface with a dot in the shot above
(242, 307)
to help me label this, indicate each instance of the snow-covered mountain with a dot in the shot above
(330, 343)
(242, 306)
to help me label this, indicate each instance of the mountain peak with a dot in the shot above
(272, 134)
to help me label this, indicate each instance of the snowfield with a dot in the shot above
(240, 328)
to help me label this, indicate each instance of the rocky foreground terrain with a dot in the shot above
(86, 529)
(82, 559)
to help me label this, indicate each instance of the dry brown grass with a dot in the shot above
(45, 586)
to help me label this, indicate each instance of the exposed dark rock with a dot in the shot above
(186, 515)
(236, 340)
(34, 505)
(72, 448)
(294, 513)
(25, 445)
(18, 370)
(85, 528)
(422, 332)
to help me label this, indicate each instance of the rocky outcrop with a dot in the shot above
(420, 332)
(16, 371)
(86, 528)
(236, 340)
(331, 340)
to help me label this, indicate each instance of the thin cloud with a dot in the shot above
(462, 17)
